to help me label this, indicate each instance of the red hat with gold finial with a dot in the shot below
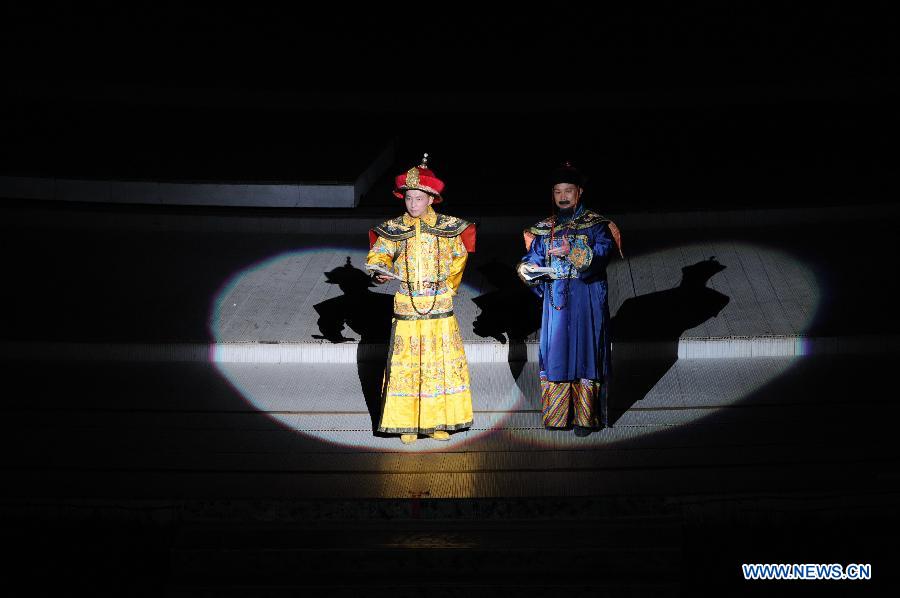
(419, 177)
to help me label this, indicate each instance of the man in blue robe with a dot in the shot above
(566, 266)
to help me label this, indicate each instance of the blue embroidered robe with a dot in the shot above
(575, 340)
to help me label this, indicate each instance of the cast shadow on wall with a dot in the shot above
(646, 328)
(509, 314)
(366, 313)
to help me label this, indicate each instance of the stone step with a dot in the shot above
(298, 297)
(476, 352)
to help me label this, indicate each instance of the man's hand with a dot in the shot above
(563, 250)
(381, 278)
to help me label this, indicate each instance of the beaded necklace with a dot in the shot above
(437, 264)
(550, 263)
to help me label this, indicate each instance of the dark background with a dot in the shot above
(667, 106)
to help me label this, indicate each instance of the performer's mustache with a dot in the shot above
(564, 202)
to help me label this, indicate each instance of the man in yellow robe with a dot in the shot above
(426, 386)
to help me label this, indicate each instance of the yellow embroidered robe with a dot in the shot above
(426, 386)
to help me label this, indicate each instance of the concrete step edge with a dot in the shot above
(476, 352)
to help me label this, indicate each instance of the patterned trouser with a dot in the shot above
(584, 394)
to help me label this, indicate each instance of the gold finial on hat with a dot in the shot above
(412, 178)
(412, 175)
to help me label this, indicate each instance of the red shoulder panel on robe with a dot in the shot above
(617, 236)
(373, 236)
(529, 239)
(468, 238)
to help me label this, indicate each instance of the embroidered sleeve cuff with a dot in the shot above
(581, 257)
(379, 257)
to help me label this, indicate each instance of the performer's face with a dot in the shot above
(566, 195)
(417, 202)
